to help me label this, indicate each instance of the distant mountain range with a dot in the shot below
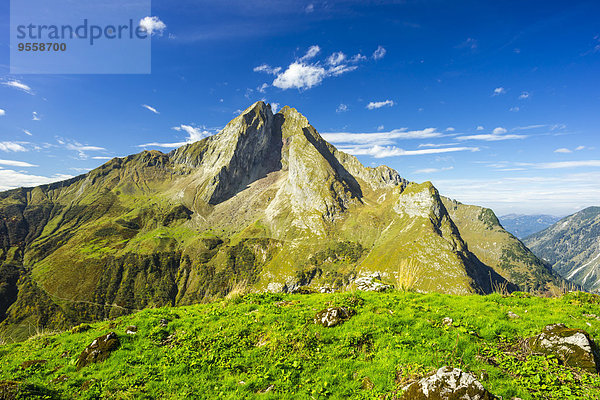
(572, 246)
(522, 225)
(265, 205)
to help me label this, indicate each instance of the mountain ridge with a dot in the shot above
(266, 204)
(572, 247)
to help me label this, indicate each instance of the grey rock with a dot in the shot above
(99, 350)
(447, 384)
(332, 316)
(573, 347)
(370, 283)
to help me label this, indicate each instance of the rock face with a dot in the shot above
(371, 283)
(447, 384)
(572, 247)
(266, 204)
(499, 249)
(99, 350)
(332, 316)
(572, 346)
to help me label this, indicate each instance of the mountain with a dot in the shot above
(572, 246)
(265, 205)
(522, 225)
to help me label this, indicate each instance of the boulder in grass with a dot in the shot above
(447, 384)
(332, 316)
(98, 350)
(573, 347)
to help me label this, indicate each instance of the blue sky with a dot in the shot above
(496, 103)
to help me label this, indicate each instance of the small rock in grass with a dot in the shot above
(32, 363)
(98, 350)
(447, 321)
(573, 347)
(447, 384)
(131, 330)
(332, 316)
(163, 322)
(512, 315)
(367, 383)
(60, 379)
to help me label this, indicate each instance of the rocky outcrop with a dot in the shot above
(447, 384)
(371, 283)
(332, 316)
(573, 347)
(99, 350)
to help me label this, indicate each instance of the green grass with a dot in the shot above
(238, 348)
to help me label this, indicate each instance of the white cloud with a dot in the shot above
(2, 112)
(13, 163)
(11, 146)
(340, 69)
(491, 137)
(379, 53)
(101, 158)
(18, 85)
(378, 104)
(579, 148)
(25, 131)
(498, 91)
(336, 58)
(274, 107)
(432, 170)
(300, 76)
(514, 109)
(480, 128)
(380, 138)
(194, 135)
(358, 58)
(342, 108)
(35, 116)
(497, 134)
(450, 129)
(380, 127)
(524, 95)
(267, 69)
(568, 164)
(393, 151)
(527, 194)
(80, 147)
(153, 25)
(311, 53)
(309, 8)
(263, 88)
(305, 73)
(437, 144)
(562, 150)
(147, 107)
(10, 179)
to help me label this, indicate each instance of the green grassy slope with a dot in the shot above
(266, 346)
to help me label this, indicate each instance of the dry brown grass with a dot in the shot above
(408, 274)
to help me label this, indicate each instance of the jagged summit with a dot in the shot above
(265, 204)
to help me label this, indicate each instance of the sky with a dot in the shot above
(496, 103)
